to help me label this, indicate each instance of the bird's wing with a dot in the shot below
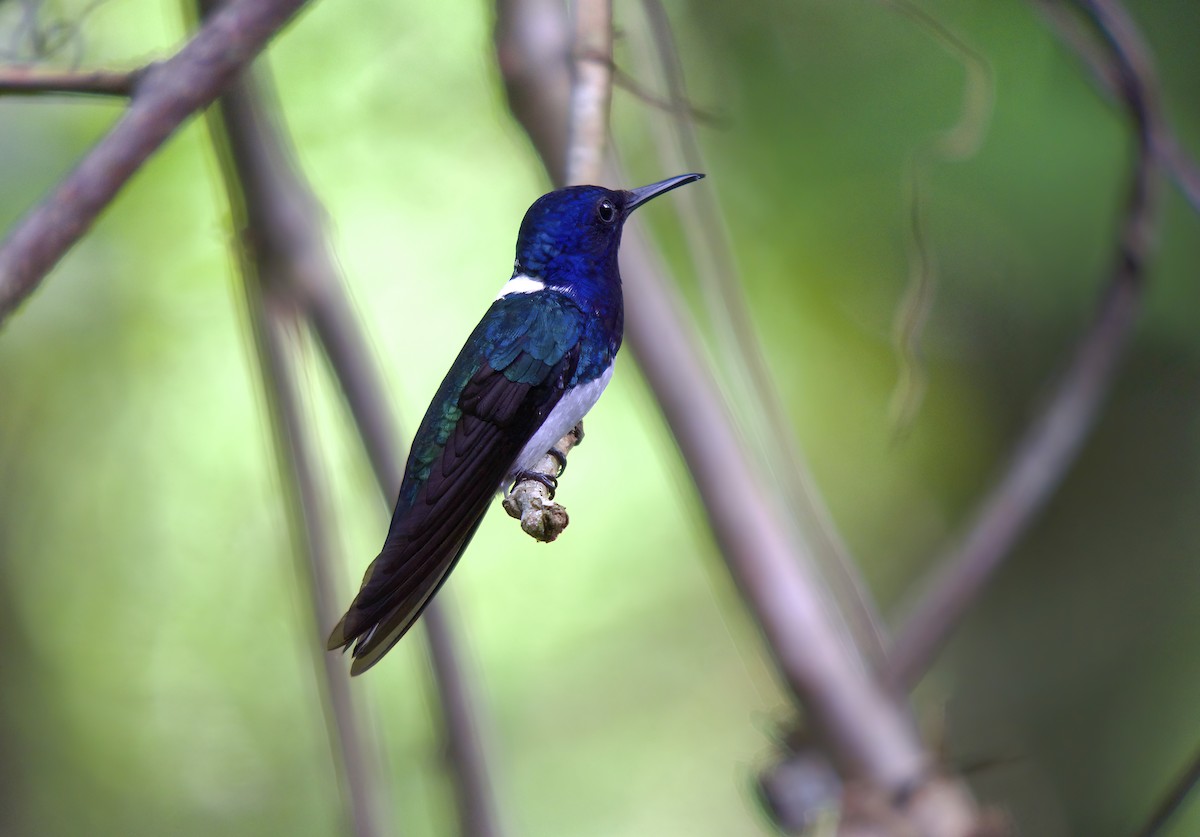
(503, 384)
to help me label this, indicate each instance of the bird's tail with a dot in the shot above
(385, 608)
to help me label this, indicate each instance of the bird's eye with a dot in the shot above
(606, 211)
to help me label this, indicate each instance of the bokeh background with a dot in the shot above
(157, 675)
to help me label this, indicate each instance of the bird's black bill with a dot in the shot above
(644, 193)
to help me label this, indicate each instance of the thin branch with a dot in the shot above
(591, 91)
(591, 94)
(33, 81)
(1173, 799)
(1170, 154)
(1053, 440)
(474, 790)
(635, 88)
(273, 316)
(725, 300)
(870, 733)
(353, 365)
(287, 221)
(351, 741)
(167, 95)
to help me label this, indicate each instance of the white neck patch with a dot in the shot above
(521, 284)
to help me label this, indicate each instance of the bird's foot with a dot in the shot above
(559, 457)
(550, 482)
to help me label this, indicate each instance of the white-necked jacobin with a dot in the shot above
(531, 369)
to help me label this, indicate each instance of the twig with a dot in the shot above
(725, 300)
(285, 218)
(869, 732)
(1052, 441)
(33, 81)
(475, 793)
(354, 368)
(167, 95)
(1173, 800)
(352, 743)
(624, 81)
(1175, 161)
(273, 316)
(591, 93)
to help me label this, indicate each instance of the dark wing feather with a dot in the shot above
(474, 429)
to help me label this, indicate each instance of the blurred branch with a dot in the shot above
(274, 315)
(32, 81)
(1054, 438)
(591, 92)
(532, 51)
(286, 234)
(762, 407)
(166, 95)
(272, 322)
(870, 735)
(1084, 41)
(635, 88)
(1173, 800)
(869, 732)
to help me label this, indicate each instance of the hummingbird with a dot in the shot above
(536, 363)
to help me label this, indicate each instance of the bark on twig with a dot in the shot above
(1053, 440)
(591, 92)
(165, 96)
(541, 518)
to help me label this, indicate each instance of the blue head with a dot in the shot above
(569, 238)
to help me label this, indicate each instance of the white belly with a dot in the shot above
(565, 415)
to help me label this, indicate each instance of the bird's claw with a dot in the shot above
(559, 457)
(550, 482)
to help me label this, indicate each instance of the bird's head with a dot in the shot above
(569, 238)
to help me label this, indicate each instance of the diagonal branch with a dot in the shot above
(1173, 799)
(1053, 440)
(869, 732)
(1178, 165)
(355, 752)
(167, 95)
(287, 234)
(722, 284)
(273, 315)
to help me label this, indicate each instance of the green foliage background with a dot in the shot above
(157, 676)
